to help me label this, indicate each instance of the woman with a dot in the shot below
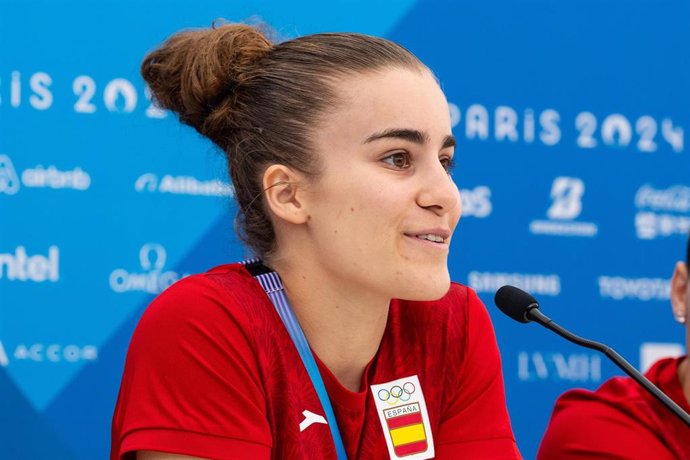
(339, 147)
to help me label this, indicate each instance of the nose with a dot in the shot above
(438, 192)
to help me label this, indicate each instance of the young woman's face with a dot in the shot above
(384, 207)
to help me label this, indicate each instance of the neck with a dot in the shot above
(343, 325)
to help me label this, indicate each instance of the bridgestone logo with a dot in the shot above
(547, 227)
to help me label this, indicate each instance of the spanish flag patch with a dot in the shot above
(404, 418)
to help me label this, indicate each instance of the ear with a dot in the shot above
(283, 192)
(679, 292)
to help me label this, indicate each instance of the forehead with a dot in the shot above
(386, 99)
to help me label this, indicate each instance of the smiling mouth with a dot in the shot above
(441, 240)
(431, 237)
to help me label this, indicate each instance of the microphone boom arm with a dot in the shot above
(534, 314)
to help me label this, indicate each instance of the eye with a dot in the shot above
(448, 164)
(398, 160)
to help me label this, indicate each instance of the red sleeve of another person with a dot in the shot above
(584, 426)
(191, 381)
(475, 424)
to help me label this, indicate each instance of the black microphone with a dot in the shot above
(524, 308)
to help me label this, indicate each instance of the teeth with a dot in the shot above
(431, 237)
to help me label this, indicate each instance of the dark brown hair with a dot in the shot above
(259, 102)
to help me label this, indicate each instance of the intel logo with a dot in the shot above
(38, 268)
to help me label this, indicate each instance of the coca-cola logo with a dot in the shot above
(676, 198)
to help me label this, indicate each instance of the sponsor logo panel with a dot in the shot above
(537, 284)
(566, 206)
(9, 181)
(37, 268)
(662, 212)
(41, 177)
(650, 352)
(642, 289)
(46, 353)
(152, 277)
(181, 185)
(476, 202)
(4, 360)
(557, 366)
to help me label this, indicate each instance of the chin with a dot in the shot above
(427, 288)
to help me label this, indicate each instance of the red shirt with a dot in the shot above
(620, 421)
(212, 372)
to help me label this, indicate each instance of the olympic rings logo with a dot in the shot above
(397, 393)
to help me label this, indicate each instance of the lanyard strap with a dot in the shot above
(272, 284)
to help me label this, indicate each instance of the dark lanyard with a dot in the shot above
(272, 284)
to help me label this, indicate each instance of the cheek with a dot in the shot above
(363, 209)
(456, 213)
(366, 225)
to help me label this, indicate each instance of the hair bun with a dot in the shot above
(195, 70)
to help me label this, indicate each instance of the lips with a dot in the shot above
(440, 236)
(431, 237)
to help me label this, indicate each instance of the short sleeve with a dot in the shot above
(475, 425)
(583, 427)
(191, 383)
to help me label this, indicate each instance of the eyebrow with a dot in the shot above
(412, 135)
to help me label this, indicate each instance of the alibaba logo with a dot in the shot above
(146, 182)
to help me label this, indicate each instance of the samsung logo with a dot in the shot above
(538, 284)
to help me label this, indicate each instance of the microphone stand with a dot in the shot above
(535, 315)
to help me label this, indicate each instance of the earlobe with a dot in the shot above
(283, 194)
(679, 292)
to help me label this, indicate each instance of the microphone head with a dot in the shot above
(515, 303)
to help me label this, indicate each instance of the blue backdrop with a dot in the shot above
(572, 162)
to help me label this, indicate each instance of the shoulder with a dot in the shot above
(203, 306)
(613, 420)
(221, 290)
(193, 368)
(615, 399)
